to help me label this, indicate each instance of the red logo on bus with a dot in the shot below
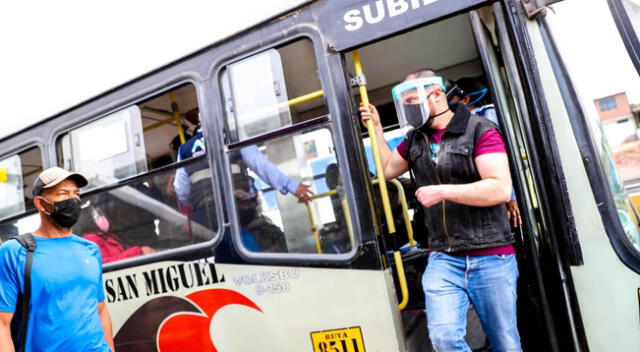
(173, 323)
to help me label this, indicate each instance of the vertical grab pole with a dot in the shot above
(383, 185)
(364, 96)
(176, 115)
(314, 228)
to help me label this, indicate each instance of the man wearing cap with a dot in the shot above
(67, 311)
(461, 172)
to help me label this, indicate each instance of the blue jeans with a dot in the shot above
(489, 282)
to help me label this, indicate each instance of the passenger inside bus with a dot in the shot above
(258, 232)
(112, 247)
(474, 94)
(187, 178)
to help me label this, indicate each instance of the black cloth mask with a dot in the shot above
(415, 115)
(65, 212)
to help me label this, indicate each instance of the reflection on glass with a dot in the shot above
(143, 217)
(11, 187)
(273, 222)
(621, 196)
(256, 94)
(109, 149)
(25, 224)
(633, 11)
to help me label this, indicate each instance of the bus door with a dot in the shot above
(535, 238)
(460, 46)
(589, 107)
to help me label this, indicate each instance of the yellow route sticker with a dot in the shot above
(338, 340)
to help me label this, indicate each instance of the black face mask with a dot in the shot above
(65, 212)
(414, 115)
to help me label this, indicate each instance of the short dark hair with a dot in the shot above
(421, 73)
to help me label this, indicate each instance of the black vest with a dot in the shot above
(452, 226)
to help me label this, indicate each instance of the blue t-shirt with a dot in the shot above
(66, 287)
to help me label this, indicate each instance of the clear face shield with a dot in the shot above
(411, 99)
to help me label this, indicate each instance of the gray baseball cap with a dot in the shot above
(53, 176)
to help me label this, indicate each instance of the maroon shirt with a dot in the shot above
(489, 142)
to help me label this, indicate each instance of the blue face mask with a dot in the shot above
(479, 93)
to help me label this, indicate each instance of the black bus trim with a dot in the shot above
(627, 31)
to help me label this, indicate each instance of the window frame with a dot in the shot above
(611, 103)
(298, 32)
(627, 32)
(199, 250)
(26, 146)
(622, 246)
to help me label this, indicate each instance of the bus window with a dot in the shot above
(265, 97)
(611, 102)
(626, 14)
(17, 175)
(138, 217)
(11, 186)
(271, 221)
(109, 149)
(149, 210)
(132, 141)
(274, 89)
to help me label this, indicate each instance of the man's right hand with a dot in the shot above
(370, 114)
(303, 193)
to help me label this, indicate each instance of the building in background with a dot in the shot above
(620, 123)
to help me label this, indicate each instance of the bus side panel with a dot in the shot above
(202, 306)
(605, 287)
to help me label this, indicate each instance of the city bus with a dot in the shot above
(210, 249)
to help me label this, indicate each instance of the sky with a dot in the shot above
(55, 54)
(592, 50)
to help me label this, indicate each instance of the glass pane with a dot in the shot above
(31, 161)
(11, 187)
(25, 224)
(109, 149)
(633, 11)
(260, 92)
(610, 97)
(145, 217)
(168, 119)
(272, 221)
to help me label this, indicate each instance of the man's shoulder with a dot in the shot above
(475, 119)
(10, 247)
(10, 252)
(478, 125)
(91, 246)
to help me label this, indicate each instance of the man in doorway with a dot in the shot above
(67, 309)
(472, 93)
(461, 169)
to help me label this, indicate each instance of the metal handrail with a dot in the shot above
(362, 85)
(405, 209)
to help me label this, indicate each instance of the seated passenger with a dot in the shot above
(111, 247)
(258, 232)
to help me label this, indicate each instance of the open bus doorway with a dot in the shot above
(463, 46)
